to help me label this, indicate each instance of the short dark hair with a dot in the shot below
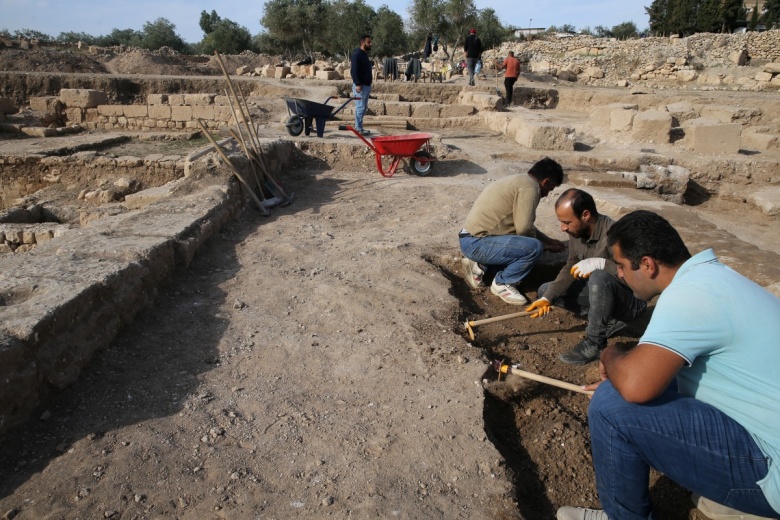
(547, 169)
(643, 233)
(511, 53)
(580, 201)
(364, 37)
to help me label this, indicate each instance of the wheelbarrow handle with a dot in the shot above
(368, 143)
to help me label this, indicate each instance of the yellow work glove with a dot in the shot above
(584, 268)
(541, 306)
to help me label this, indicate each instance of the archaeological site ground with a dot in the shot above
(176, 342)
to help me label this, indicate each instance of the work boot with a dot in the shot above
(614, 326)
(715, 511)
(580, 513)
(508, 293)
(364, 132)
(473, 273)
(583, 353)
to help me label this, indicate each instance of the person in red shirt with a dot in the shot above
(512, 66)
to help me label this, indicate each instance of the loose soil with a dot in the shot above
(313, 363)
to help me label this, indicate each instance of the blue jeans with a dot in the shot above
(509, 257)
(602, 296)
(361, 105)
(691, 442)
(471, 64)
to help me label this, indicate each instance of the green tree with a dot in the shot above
(354, 18)
(208, 22)
(567, 28)
(603, 32)
(660, 14)
(772, 16)
(460, 16)
(227, 37)
(625, 31)
(491, 30)
(129, 37)
(683, 19)
(75, 37)
(161, 33)
(753, 18)
(388, 35)
(32, 34)
(427, 16)
(296, 25)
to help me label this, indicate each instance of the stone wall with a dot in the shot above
(605, 62)
(72, 294)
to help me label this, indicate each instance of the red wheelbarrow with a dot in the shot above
(416, 147)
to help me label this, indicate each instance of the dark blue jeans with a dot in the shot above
(509, 257)
(602, 297)
(691, 442)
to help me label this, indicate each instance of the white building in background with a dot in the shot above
(530, 31)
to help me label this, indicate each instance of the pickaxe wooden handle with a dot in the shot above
(469, 324)
(506, 369)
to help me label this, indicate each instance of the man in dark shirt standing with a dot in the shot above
(473, 48)
(361, 81)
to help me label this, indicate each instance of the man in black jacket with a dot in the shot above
(473, 48)
(361, 80)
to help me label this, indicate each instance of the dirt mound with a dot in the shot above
(139, 61)
(49, 60)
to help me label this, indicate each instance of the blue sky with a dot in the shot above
(100, 17)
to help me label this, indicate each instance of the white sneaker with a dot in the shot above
(580, 513)
(473, 273)
(508, 293)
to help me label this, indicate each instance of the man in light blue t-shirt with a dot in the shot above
(716, 335)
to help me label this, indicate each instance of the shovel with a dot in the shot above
(503, 368)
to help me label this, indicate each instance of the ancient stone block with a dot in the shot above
(545, 136)
(731, 114)
(199, 99)
(705, 136)
(175, 99)
(772, 68)
(767, 198)
(620, 120)
(602, 114)
(74, 115)
(44, 103)
(111, 110)
(159, 111)
(687, 75)
(457, 110)
(326, 74)
(398, 109)
(157, 99)
(652, 126)
(82, 98)
(135, 110)
(760, 141)
(200, 112)
(38, 131)
(426, 110)
(281, 72)
(240, 71)
(182, 113)
(763, 76)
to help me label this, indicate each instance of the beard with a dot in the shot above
(367, 48)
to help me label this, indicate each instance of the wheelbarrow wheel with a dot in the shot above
(421, 163)
(294, 126)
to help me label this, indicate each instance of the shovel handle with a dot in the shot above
(550, 381)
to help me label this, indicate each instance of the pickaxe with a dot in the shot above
(470, 324)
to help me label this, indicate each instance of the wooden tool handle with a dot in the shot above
(504, 317)
(550, 381)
